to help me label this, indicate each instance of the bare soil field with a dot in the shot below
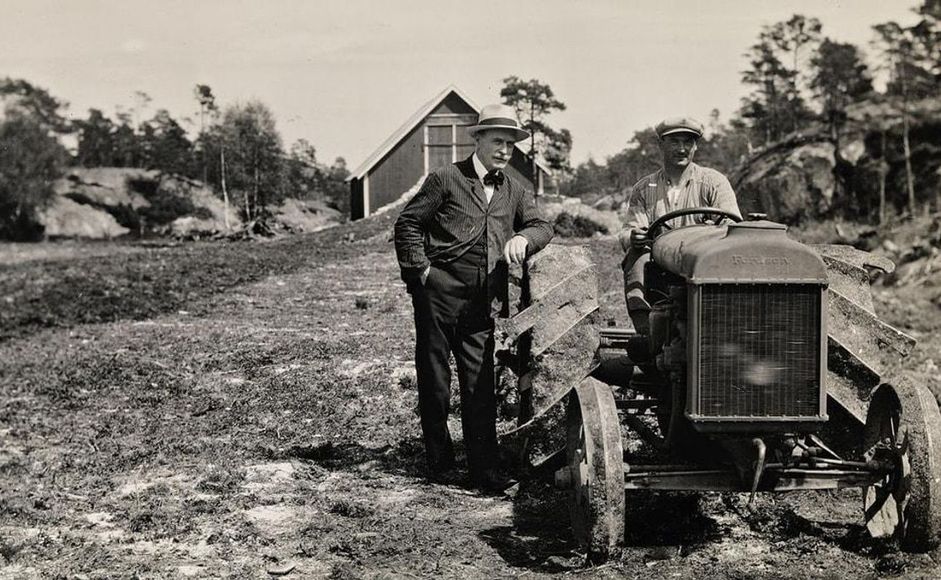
(247, 410)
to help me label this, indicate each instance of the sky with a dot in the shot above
(344, 74)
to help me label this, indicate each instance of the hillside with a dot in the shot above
(111, 202)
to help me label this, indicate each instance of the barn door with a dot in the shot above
(440, 146)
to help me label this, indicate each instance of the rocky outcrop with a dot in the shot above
(813, 174)
(107, 186)
(107, 202)
(299, 216)
(88, 202)
(211, 216)
(65, 218)
(790, 180)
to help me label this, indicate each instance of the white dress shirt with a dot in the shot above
(481, 172)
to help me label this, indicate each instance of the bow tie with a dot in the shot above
(494, 177)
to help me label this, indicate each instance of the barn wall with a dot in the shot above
(519, 169)
(401, 168)
(404, 165)
(454, 105)
(398, 171)
(453, 110)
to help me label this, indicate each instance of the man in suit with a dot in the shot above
(454, 241)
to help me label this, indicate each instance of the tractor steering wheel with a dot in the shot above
(653, 232)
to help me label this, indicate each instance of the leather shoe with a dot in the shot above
(491, 481)
(444, 473)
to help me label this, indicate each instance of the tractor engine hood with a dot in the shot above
(751, 251)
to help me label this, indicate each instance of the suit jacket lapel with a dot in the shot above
(473, 182)
(501, 191)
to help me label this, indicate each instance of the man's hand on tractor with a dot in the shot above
(636, 238)
(639, 239)
(515, 250)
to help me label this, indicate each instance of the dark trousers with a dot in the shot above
(638, 308)
(452, 315)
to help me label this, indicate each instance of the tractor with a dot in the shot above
(765, 369)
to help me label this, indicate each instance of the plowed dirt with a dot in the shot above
(239, 410)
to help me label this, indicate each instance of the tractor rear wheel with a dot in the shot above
(903, 427)
(594, 471)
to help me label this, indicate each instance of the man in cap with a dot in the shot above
(454, 241)
(679, 184)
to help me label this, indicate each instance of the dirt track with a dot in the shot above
(230, 410)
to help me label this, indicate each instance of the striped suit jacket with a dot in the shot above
(450, 212)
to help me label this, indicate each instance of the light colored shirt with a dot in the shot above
(481, 172)
(654, 196)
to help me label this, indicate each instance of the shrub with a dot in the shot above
(166, 204)
(30, 160)
(125, 215)
(569, 226)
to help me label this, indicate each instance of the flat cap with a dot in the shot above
(679, 125)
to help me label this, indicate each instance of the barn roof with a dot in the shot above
(407, 128)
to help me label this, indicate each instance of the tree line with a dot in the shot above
(802, 82)
(237, 151)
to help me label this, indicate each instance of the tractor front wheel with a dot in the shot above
(594, 471)
(903, 430)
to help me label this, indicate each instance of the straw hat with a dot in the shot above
(498, 117)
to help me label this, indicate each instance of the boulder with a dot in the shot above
(193, 227)
(789, 181)
(106, 186)
(574, 207)
(298, 215)
(65, 218)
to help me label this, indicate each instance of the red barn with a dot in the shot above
(434, 136)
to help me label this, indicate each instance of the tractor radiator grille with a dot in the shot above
(759, 350)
